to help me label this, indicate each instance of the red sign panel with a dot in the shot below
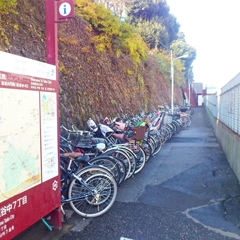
(29, 166)
(65, 9)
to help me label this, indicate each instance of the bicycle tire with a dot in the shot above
(141, 160)
(156, 138)
(116, 152)
(121, 166)
(109, 163)
(132, 157)
(148, 149)
(186, 121)
(98, 201)
(163, 134)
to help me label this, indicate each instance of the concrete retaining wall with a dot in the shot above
(229, 141)
(223, 110)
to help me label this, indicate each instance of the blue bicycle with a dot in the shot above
(91, 191)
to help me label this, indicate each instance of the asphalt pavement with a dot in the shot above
(187, 191)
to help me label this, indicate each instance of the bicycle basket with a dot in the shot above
(138, 133)
(167, 119)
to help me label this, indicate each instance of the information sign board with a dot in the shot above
(65, 9)
(29, 166)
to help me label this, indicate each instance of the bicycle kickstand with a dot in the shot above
(65, 217)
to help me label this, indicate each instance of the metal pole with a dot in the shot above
(51, 33)
(189, 91)
(172, 77)
(52, 58)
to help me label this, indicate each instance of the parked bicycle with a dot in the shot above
(91, 191)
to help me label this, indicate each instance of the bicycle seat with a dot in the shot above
(183, 109)
(79, 157)
(98, 140)
(83, 159)
(72, 154)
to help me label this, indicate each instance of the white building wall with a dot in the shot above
(225, 104)
(223, 109)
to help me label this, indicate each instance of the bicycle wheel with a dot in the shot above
(120, 164)
(141, 160)
(174, 127)
(186, 121)
(92, 192)
(179, 125)
(122, 168)
(148, 149)
(109, 163)
(163, 134)
(157, 142)
(120, 154)
(169, 129)
(132, 158)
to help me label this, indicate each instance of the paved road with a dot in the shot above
(188, 191)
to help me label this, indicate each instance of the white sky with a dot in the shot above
(212, 27)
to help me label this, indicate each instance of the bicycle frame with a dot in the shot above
(66, 200)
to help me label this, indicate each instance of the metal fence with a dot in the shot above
(225, 104)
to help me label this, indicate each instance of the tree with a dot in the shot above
(111, 33)
(153, 33)
(155, 12)
(180, 47)
(118, 7)
(6, 6)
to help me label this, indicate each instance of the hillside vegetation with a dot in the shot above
(106, 67)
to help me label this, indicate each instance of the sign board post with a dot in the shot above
(56, 11)
(29, 151)
(29, 133)
(52, 58)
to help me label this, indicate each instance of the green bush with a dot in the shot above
(7, 6)
(112, 34)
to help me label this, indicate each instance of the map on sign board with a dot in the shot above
(19, 140)
(49, 131)
(28, 124)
